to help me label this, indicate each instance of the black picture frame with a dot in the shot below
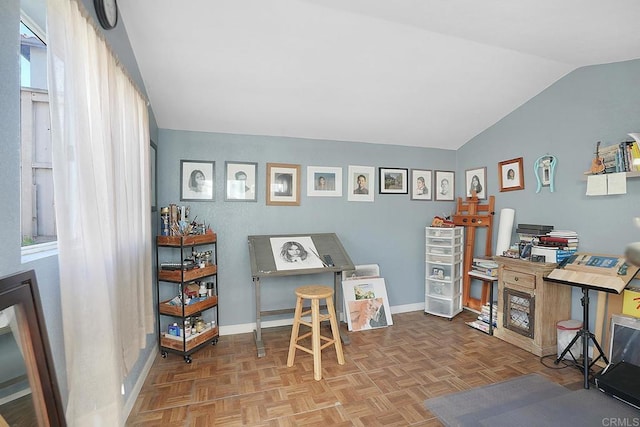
(393, 180)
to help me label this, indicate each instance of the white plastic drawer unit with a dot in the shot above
(437, 288)
(444, 306)
(443, 267)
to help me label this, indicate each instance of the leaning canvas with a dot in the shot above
(366, 302)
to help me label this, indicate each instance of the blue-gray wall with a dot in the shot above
(388, 232)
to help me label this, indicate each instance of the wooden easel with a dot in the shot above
(471, 215)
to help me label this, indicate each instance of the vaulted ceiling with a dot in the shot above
(427, 73)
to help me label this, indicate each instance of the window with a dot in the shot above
(38, 222)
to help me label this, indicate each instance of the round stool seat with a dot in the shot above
(314, 292)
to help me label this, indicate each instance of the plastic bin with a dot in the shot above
(567, 330)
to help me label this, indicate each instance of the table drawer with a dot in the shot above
(517, 278)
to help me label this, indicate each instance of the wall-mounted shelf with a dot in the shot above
(629, 175)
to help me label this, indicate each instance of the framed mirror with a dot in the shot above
(29, 393)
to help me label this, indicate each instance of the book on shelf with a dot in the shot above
(480, 271)
(563, 233)
(558, 239)
(481, 326)
(485, 262)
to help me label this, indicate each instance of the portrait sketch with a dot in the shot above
(196, 180)
(444, 183)
(421, 184)
(295, 253)
(476, 180)
(283, 184)
(510, 175)
(241, 181)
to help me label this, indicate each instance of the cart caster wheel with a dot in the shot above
(215, 341)
(187, 359)
(163, 354)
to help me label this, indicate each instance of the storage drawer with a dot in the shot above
(444, 242)
(444, 272)
(443, 289)
(444, 307)
(516, 278)
(444, 232)
(444, 258)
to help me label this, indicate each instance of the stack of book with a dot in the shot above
(482, 322)
(555, 246)
(484, 267)
(527, 232)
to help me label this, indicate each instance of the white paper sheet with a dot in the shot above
(617, 183)
(596, 185)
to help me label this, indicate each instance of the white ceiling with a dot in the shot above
(427, 73)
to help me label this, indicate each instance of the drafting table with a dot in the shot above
(263, 265)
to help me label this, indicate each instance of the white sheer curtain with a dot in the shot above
(99, 128)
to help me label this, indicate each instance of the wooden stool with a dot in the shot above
(314, 293)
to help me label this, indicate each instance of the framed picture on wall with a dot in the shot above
(420, 184)
(196, 180)
(324, 181)
(476, 180)
(393, 181)
(241, 181)
(511, 174)
(283, 184)
(444, 185)
(360, 183)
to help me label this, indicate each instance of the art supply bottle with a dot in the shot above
(202, 293)
(164, 221)
(187, 327)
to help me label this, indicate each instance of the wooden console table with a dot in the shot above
(549, 303)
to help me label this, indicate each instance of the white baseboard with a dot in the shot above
(133, 395)
(250, 327)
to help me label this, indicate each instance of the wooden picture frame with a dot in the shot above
(241, 181)
(393, 180)
(324, 181)
(360, 183)
(444, 183)
(421, 184)
(511, 174)
(197, 180)
(23, 318)
(283, 184)
(476, 179)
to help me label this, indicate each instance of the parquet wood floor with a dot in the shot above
(388, 374)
